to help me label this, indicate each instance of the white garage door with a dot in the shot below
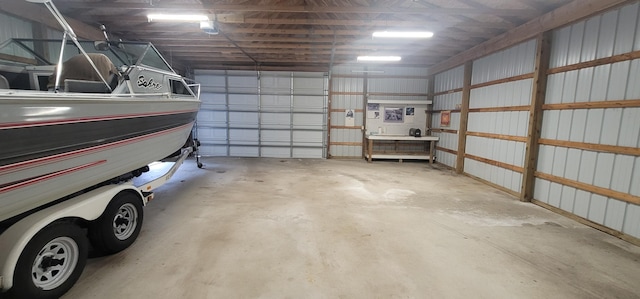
(263, 114)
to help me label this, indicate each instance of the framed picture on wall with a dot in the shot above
(393, 115)
(373, 111)
(445, 118)
(409, 114)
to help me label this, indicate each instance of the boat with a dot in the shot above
(61, 134)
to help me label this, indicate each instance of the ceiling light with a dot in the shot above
(367, 72)
(177, 18)
(403, 34)
(379, 58)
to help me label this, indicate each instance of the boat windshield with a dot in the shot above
(26, 52)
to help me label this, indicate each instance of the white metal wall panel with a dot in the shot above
(517, 60)
(447, 81)
(396, 85)
(511, 62)
(601, 36)
(448, 101)
(347, 93)
(611, 33)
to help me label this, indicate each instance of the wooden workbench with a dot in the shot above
(370, 154)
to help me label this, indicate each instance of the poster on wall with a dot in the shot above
(445, 118)
(373, 111)
(349, 119)
(409, 114)
(393, 115)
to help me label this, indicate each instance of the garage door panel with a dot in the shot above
(212, 135)
(212, 150)
(258, 114)
(275, 121)
(275, 102)
(308, 86)
(308, 103)
(243, 136)
(278, 85)
(276, 152)
(307, 138)
(243, 151)
(307, 153)
(272, 137)
(212, 118)
(308, 121)
(247, 102)
(243, 119)
(213, 100)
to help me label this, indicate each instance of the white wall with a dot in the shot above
(588, 162)
(448, 81)
(612, 33)
(397, 86)
(503, 124)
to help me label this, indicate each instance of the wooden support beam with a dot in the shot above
(513, 168)
(543, 55)
(431, 87)
(498, 136)
(603, 148)
(464, 116)
(329, 107)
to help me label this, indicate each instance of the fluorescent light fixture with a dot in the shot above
(379, 58)
(367, 72)
(177, 18)
(403, 34)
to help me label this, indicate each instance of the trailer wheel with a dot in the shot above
(119, 225)
(51, 262)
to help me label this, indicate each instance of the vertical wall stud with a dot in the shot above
(430, 97)
(464, 116)
(539, 90)
(329, 107)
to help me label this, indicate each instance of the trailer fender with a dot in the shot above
(88, 206)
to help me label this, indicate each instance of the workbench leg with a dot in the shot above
(431, 150)
(370, 149)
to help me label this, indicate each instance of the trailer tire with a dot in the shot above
(119, 225)
(51, 263)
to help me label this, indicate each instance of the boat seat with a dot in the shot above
(4, 84)
(78, 71)
(73, 85)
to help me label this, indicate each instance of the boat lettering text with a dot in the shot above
(142, 82)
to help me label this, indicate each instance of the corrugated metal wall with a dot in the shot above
(589, 157)
(352, 86)
(448, 97)
(11, 27)
(347, 92)
(587, 164)
(499, 115)
(266, 114)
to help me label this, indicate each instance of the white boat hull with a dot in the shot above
(38, 178)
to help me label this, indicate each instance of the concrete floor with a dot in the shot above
(288, 228)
